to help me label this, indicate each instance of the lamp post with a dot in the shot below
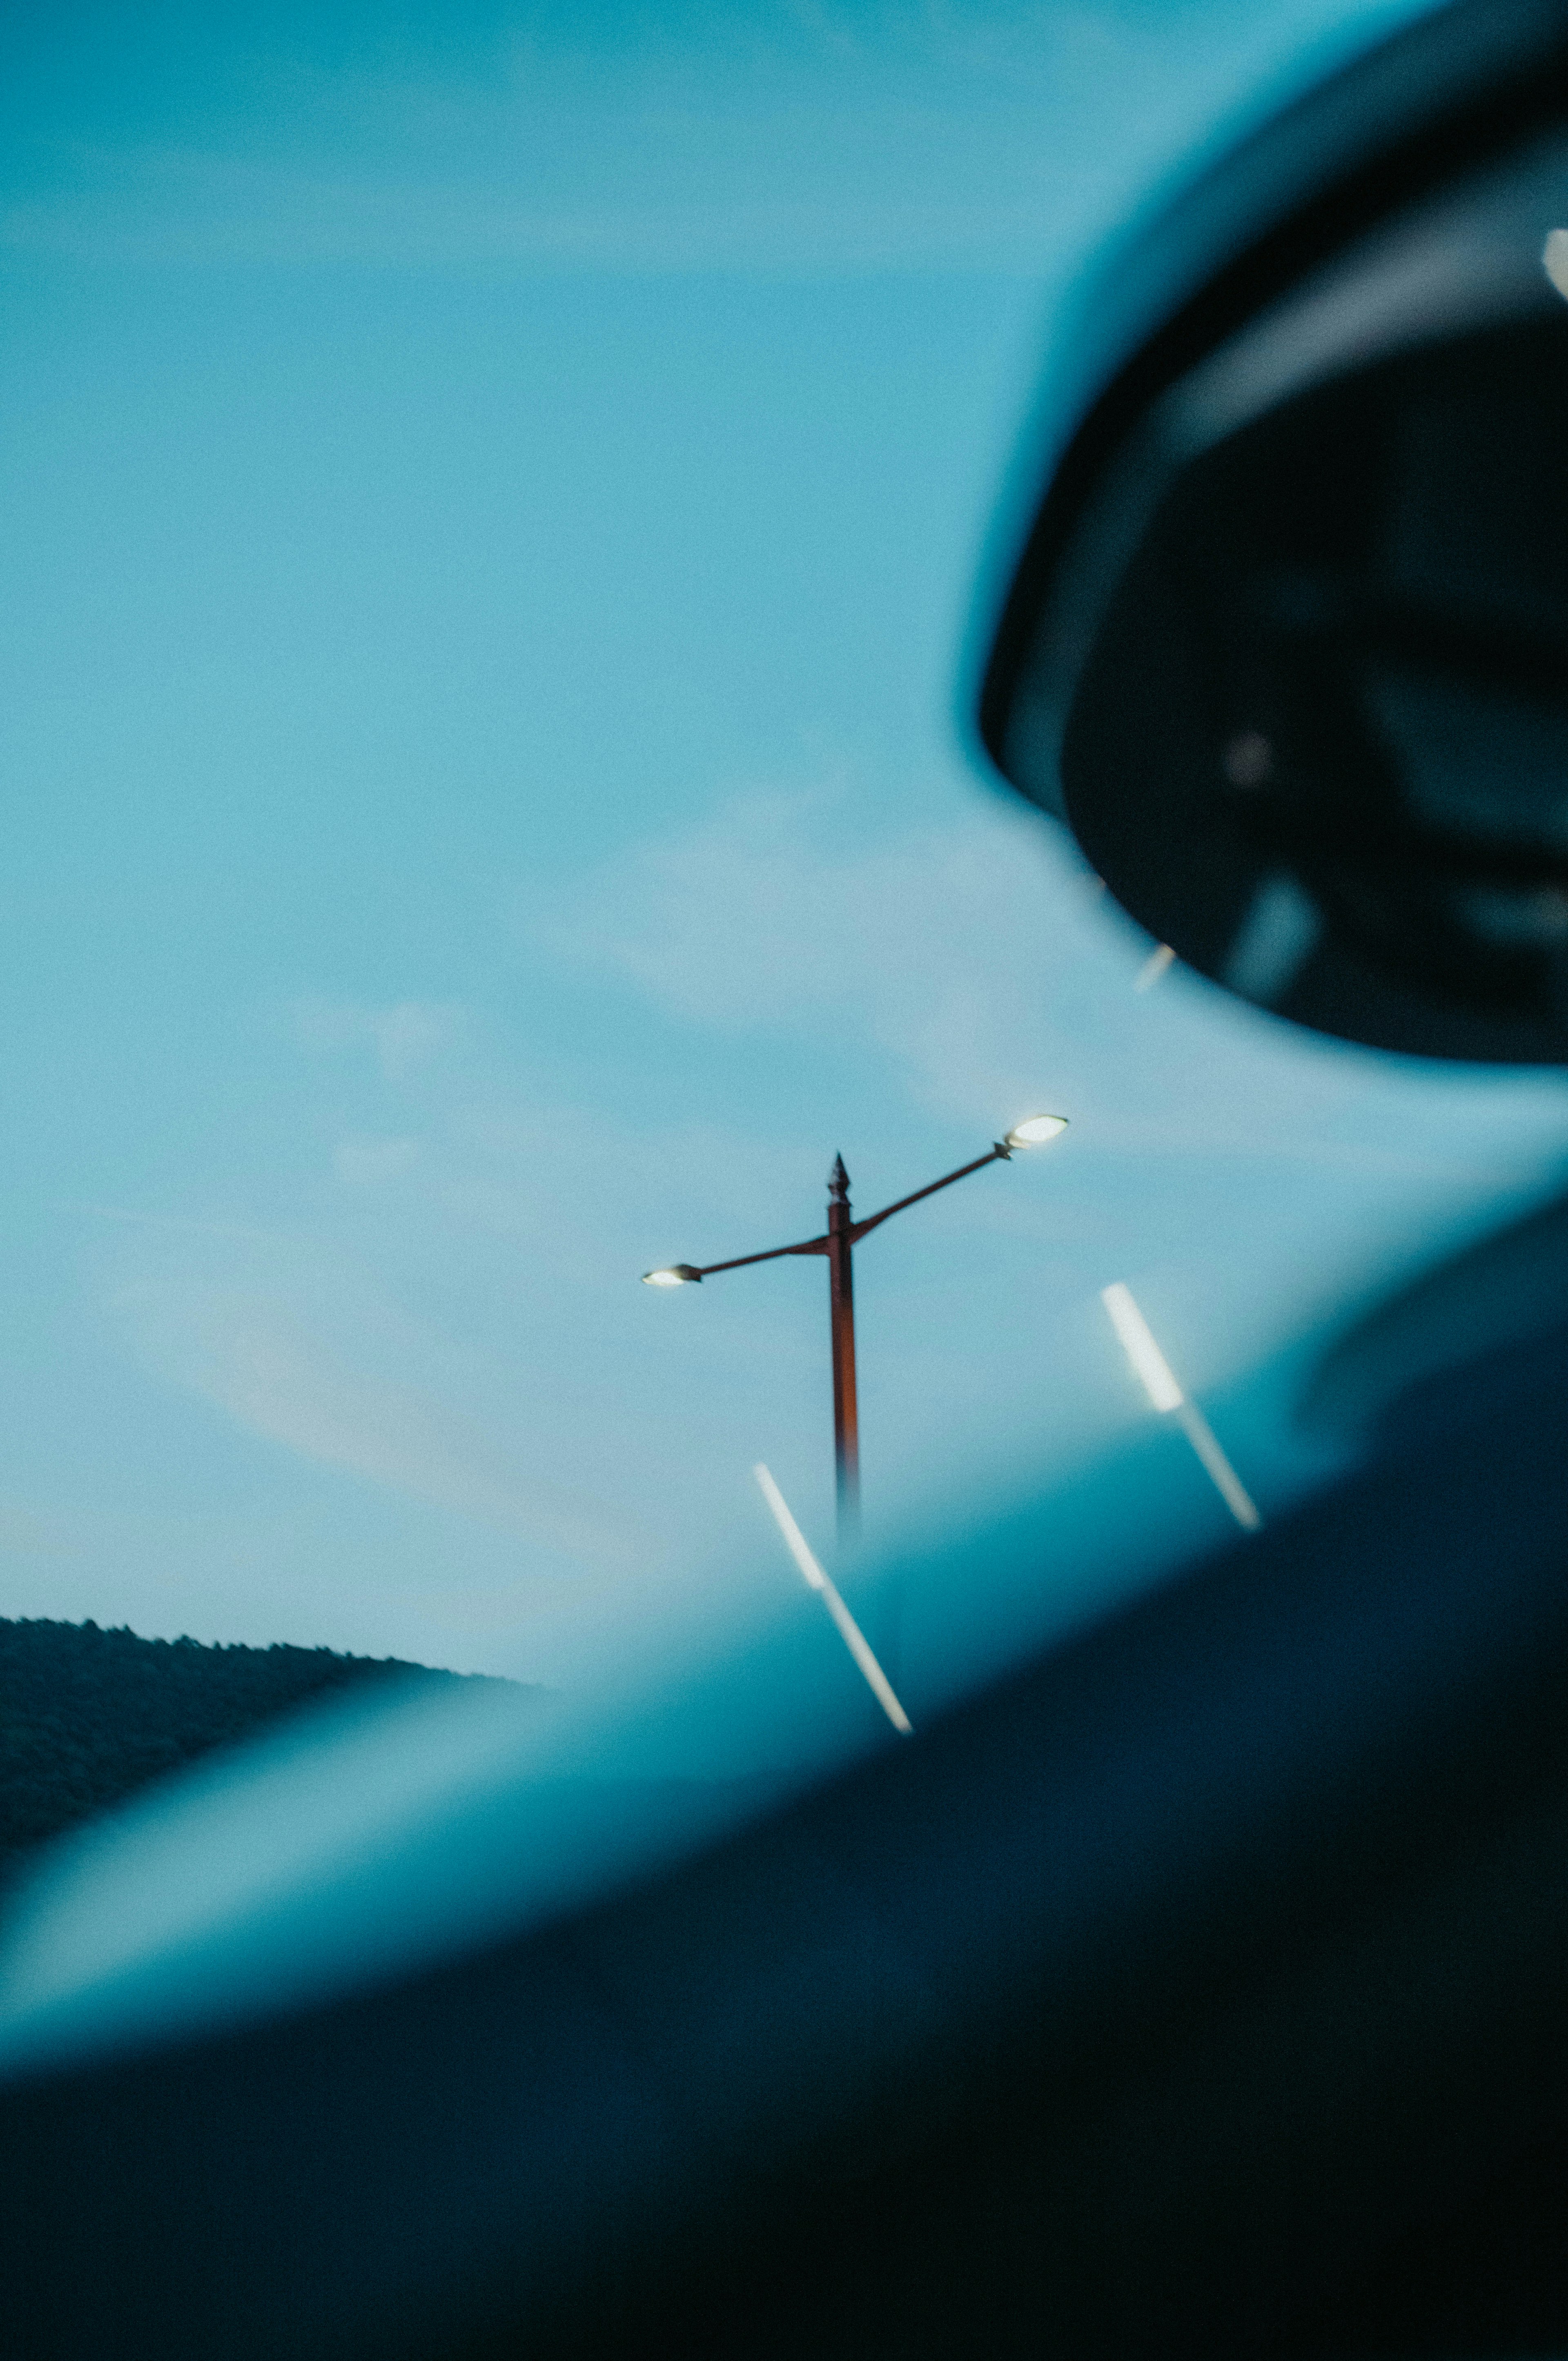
(838, 1243)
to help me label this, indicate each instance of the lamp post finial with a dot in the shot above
(839, 1183)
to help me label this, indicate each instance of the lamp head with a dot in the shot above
(675, 1274)
(1035, 1131)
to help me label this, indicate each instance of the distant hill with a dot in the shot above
(87, 1717)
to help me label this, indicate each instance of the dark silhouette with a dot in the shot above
(87, 1717)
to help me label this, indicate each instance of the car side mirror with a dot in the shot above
(1288, 647)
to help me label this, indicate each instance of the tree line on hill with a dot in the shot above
(87, 1716)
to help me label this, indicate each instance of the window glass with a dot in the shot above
(497, 499)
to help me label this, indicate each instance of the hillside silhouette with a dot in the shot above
(87, 1717)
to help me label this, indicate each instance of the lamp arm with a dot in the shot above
(996, 1152)
(808, 1246)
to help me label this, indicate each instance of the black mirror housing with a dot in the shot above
(1288, 649)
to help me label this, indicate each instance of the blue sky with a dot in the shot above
(495, 498)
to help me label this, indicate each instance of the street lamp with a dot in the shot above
(838, 1242)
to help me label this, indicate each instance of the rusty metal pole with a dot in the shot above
(841, 1285)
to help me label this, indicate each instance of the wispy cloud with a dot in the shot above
(283, 220)
(929, 943)
(365, 1163)
(795, 137)
(24, 1532)
(191, 1225)
(402, 1036)
(979, 955)
(256, 1359)
(662, 141)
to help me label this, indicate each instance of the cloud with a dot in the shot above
(969, 950)
(385, 225)
(256, 1360)
(646, 144)
(977, 953)
(752, 922)
(364, 1163)
(24, 1533)
(403, 1036)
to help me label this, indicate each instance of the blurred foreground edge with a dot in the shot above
(1201, 1986)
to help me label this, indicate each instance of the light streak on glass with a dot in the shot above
(1150, 1364)
(1227, 1483)
(850, 1632)
(1155, 1374)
